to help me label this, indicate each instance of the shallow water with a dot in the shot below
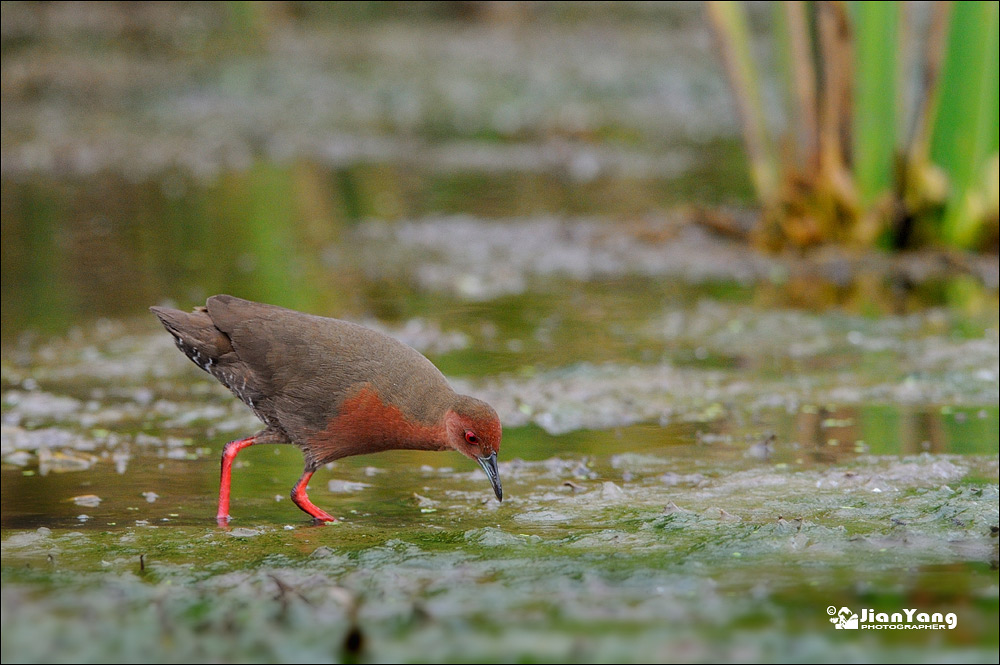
(704, 449)
(699, 479)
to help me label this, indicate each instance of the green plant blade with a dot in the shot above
(875, 97)
(965, 129)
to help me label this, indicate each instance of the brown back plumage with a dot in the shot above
(295, 370)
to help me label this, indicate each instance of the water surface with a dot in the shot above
(704, 449)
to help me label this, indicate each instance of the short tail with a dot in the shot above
(195, 334)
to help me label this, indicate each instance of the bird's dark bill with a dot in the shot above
(489, 465)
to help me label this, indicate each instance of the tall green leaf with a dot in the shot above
(965, 131)
(875, 97)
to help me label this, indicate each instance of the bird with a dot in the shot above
(333, 388)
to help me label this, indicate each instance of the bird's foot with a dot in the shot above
(301, 499)
(322, 517)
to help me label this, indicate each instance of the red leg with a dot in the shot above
(228, 456)
(301, 500)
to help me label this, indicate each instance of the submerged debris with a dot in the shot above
(87, 500)
(346, 486)
(611, 492)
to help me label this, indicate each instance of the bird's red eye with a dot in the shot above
(471, 437)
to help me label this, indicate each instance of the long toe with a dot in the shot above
(301, 499)
(319, 515)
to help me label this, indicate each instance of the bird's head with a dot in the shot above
(474, 430)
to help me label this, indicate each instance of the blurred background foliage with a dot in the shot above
(190, 148)
(892, 132)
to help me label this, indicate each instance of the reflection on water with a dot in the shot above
(185, 479)
(296, 235)
(105, 246)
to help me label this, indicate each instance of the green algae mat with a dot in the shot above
(707, 480)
